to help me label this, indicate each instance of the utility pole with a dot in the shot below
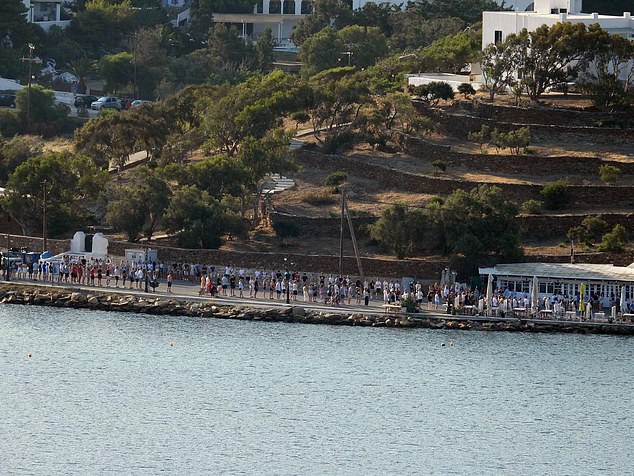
(44, 222)
(30, 60)
(136, 95)
(354, 243)
(343, 205)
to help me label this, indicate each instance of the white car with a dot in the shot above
(106, 102)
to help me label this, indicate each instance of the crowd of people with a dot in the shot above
(332, 290)
(465, 300)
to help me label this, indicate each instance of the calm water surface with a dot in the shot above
(107, 392)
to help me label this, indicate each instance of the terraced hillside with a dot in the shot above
(566, 144)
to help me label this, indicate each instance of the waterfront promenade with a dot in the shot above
(184, 300)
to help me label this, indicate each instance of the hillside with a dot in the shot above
(567, 143)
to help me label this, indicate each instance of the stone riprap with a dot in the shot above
(149, 304)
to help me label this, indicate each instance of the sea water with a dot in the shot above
(86, 392)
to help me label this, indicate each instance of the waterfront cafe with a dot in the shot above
(563, 278)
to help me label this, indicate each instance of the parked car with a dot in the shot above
(106, 102)
(7, 100)
(84, 100)
(140, 102)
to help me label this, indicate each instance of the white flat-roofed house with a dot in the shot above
(496, 26)
(46, 13)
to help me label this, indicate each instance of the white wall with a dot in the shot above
(514, 22)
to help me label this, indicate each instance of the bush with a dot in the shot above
(409, 303)
(433, 92)
(609, 173)
(555, 194)
(300, 117)
(481, 137)
(466, 90)
(591, 230)
(336, 178)
(439, 165)
(615, 240)
(9, 123)
(285, 228)
(532, 207)
(339, 141)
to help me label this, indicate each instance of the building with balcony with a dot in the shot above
(281, 16)
(46, 13)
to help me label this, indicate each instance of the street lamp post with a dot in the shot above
(349, 55)
(30, 60)
(287, 275)
(147, 279)
(44, 218)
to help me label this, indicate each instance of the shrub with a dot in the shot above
(517, 140)
(336, 178)
(376, 141)
(9, 123)
(481, 137)
(339, 141)
(300, 117)
(409, 303)
(592, 228)
(555, 194)
(615, 240)
(466, 90)
(609, 173)
(439, 165)
(432, 92)
(285, 228)
(532, 207)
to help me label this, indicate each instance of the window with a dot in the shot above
(275, 7)
(498, 36)
(289, 7)
(554, 11)
(563, 10)
(260, 6)
(307, 8)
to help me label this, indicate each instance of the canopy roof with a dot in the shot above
(576, 271)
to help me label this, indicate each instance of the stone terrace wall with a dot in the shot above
(546, 115)
(534, 227)
(517, 164)
(322, 226)
(597, 195)
(460, 125)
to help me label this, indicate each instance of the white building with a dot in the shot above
(281, 16)
(496, 26)
(45, 13)
(564, 278)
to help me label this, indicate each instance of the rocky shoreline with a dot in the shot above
(163, 305)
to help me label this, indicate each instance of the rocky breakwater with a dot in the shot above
(150, 304)
(164, 305)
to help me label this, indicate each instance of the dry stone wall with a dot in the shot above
(579, 196)
(515, 164)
